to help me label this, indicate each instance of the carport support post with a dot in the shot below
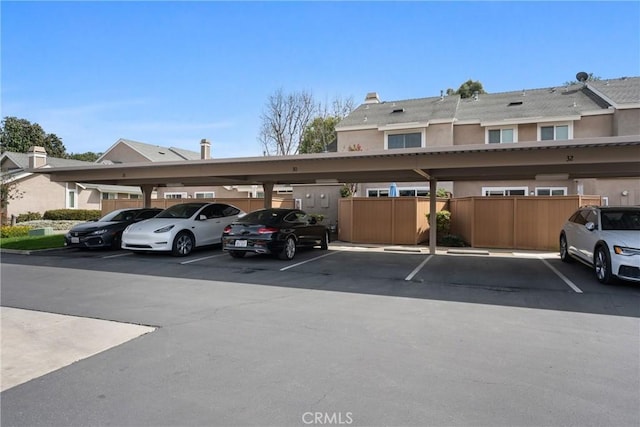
(268, 194)
(433, 183)
(146, 194)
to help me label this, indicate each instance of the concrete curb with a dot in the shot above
(29, 252)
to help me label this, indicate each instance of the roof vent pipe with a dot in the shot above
(475, 95)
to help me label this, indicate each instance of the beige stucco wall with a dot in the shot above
(319, 199)
(620, 192)
(626, 122)
(369, 139)
(593, 126)
(527, 132)
(440, 135)
(39, 195)
(468, 134)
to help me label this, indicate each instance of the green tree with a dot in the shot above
(591, 78)
(320, 134)
(467, 89)
(18, 135)
(89, 156)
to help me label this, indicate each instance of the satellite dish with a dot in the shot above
(582, 76)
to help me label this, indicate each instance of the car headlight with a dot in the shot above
(621, 250)
(99, 232)
(164, 229)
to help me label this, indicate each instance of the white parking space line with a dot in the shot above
(418, 268)
(309, 260)
(203, 258)
(562, 276)
(118, 255)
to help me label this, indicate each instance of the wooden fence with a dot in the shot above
(392, 220)
(246, 204)
(514, 222)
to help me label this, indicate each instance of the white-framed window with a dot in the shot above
(204, 194)
(402, 192)
(109, 196)
(71, 197)
(555, 131)
(135, 196)
(501, 135)
(505, 191)
(405, 139)
(175, 195)
(551, 191)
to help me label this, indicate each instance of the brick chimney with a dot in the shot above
(37, 157)
(205, 149)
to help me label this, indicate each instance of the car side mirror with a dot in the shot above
(590, 226)
(202, 217)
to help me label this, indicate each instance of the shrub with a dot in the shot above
(443, 222)
(452, 240)
(29, 216)
(72, 214)
(318, 217)
(345, 191)
(7, 231)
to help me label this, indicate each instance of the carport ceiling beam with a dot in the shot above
(422, 173)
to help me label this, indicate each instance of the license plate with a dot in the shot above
(75, 240)
(241, 243)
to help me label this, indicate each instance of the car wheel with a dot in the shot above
(602, 265)
(237, 254)
(182, 244)
(324, 245)
(564, 249)
(289, 250)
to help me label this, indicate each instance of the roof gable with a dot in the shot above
(153, 153)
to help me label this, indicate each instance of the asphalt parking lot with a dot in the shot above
(362, 335)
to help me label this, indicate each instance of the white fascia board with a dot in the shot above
(466, 122)
(529, 120)
(598, 112)
(400, 126)
(441, 121)
(628, 106)
(356, 127)
(17, 177)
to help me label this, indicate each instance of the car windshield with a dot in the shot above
(118, 216)
(180, 211)
(621, 220)
(264, 217)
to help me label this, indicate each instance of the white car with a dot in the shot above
(605, 238)
(181, 228)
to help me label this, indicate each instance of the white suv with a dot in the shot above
(605, 238)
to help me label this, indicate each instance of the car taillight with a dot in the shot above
(267, 230)
(227, 229)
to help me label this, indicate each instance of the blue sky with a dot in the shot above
(172, 73)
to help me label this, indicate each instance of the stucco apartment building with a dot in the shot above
(39, 194)
(585, 110)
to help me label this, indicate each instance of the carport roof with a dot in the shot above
(612, 157)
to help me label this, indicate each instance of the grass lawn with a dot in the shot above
(33, 242)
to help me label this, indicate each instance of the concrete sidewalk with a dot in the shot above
(35, 343)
